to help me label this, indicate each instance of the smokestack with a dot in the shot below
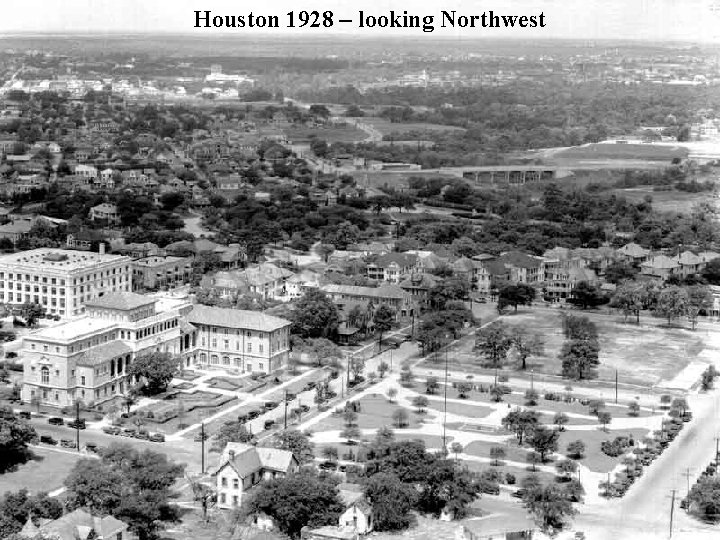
(231, 454)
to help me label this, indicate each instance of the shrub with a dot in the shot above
(510, 479)
(615, 448)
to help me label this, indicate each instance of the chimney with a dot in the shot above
(102, 248)
(231, 455)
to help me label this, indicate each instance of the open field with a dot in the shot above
(624, 151)
(385, 127)
(471, 410)
(665, 201)
(643, 355)
(330, 134)
(513, 452)
(44, 473)
(376, 412)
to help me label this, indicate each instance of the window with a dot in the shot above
(82, 380)
(223, 482)
(261, 348)
(223, 499)
(235, 500)
(249, 347)
(45, 375)
(236, 483)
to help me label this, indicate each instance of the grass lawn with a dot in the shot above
(664, 201)
(594, 458)
(431, 441)
(623, 151)
(44, 473)
(470, 410)
(513, 452)
(519, 473)
(386, 127)
(376, 412)
(644, 355)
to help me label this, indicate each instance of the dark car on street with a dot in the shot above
(47, 439)
(76, 424)
(56, 421)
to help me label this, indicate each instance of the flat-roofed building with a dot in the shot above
(237, 339)
(153, 273)
(61, 280)
(87, 357)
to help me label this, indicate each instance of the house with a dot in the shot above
(357, 516)
(152, 273)
(15, 231)
(298, 284)
(633, 253)
(498, 527)
(391, 267)
(522, 268)
(105, 212)
(418, 286)
(474, 272)
(78, 525)
(266, 280)
(690, 263)
(559, 282)
(86, 171)
(660, 266)
(391, 295)
(242, 466)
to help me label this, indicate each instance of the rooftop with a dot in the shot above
(120, 300)
(72, 329)
(62, 259)
(157, 261)
(102, 353)
(235, 318)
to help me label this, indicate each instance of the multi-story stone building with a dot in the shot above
(62, 281)
(152, 273)
(87, 358)
(242, 340)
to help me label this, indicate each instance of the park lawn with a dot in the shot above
(519, 472)
(330, 134)
(513, 452)
(376, 412)
(432, 442)
(624, 151)
(45, 473)
(462, 409)
(595, 459)
(385, 127)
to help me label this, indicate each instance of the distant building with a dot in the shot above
(391, 295)
(61, 280)
(391, 267)
(153, 273)
(266, 280)
(105, 212)
(15, 231)
(78, 525)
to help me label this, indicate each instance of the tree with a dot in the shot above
(391, 393)
(493, 342)
(330, 453)
(128, 484)
(295, 501)
(325, 352)
(526, 344)
(699, 300)
(400, 417)
(594, 406)
(383, 319)
(515, 295)
(711, 273)
(586, 295)
(560, 420)
(634, 408)
(314, 315)
(617, 272)
(296, 442)
(497, 392)
(16, 507)
(380, 446)
(409, 460)
(31, 312)
(233, 431)
(497, 453)
(544, 440)
(630, 298)
(672, 303)
(391, 501)
(705, 499)
(15, 436)
(566, 467)
(531, 397)
(576, 449)
(550, 505)
(521, 423)
(349, 417)
(156, 368)
(383, 368)
(604, 417)
(457, 449)
(431, 385)
(463, 388)
(325, 250)
(448, 488)
(350, 434)
(579, 358)
(680, 404)
(420, 403)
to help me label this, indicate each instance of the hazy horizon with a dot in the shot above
(682, 21)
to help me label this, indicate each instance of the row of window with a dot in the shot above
(236, 362)
(54, 281)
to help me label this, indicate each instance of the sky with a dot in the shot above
(657, 20)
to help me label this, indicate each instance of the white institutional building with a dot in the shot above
(62, 281)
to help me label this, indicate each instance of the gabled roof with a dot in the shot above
(246, 459)
(381, 293)
(402, 260)
(420, 281)
(235, 318)
(708, 256)
(79, 524)
(689, 258)
(519, 260)
(633, 250)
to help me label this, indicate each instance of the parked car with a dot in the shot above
(328, 466)
(26, 415)
(111, 430)
(305, 408)
(269, 405)
(47, 439)
(157, 437)
(254, 414)
(142, 434)
(309, 386)
(91, 447)
(290, 396)
(127, 432)
(269, 424)
(67, 443)
(77, 424)
(56, 421)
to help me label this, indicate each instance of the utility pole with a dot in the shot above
(672, 509)
(686, 474)
(391, 360)
(444, 439)
(202, 447)
(286, 405)
(616, 385)
(717, 450)
(532, 379)
(77, 424)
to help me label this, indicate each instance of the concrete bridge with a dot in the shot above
(507, 174)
